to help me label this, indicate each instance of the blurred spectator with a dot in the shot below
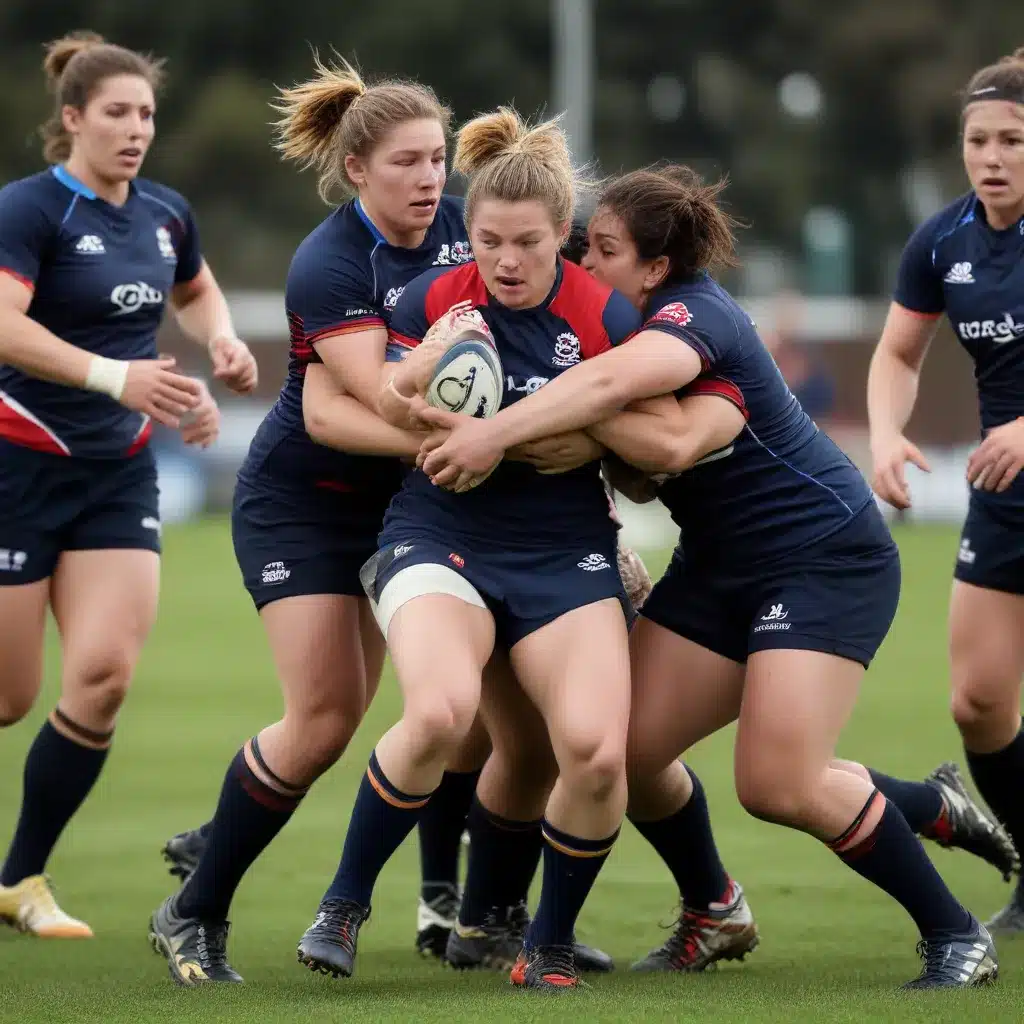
(807, 376)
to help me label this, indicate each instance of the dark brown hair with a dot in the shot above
(336, 113)
(669, 211)
(75, 66)
(1006, 76)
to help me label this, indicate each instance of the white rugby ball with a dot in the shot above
(468, 378)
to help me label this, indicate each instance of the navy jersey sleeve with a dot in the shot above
(918, 285)
(190, 255)
(26, 230)
(705, 334)
(620, 318)
(327, 295)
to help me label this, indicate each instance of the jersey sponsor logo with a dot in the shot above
(452, 255)
(392, 297)
(567, 350)
(999, 331)
(594, 563)
(151, 523)
(402, 549)
(525, 384)
(274, 573)
(457, 560)
(959, 273)
(90, 245)
(166, 245)
(363, 312)
(674, 313)
(130, 298)
(12, 561)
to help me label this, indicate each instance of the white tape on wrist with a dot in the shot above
(107, 376)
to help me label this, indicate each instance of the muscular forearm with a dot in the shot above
(36, 351)
(892, 393)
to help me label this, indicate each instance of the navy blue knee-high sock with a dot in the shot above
(382, 818)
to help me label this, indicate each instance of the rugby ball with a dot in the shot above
(468, 378)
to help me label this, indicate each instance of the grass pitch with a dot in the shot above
(832, 947)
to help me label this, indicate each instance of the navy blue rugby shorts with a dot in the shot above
(523, 589)
(991, 552)
(294, 544)
(51, 503)
(838, 596)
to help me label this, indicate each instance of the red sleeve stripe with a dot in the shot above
(20, 278)
(403, 339)
(368, 323)
(721, 387)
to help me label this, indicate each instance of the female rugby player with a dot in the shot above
(90, 256)
(782, 588)
(305, 517)
(526, 562)
(968, 262)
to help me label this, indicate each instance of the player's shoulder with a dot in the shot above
(39, 193)
(594, 310)
(164, 199)
(945, 226)
(440, 288)
(701, 302)
(339, 244)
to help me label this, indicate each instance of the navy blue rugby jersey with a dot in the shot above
(344, 278)
(782, 484)
(100, 277)
(516, 506)
(956, 264)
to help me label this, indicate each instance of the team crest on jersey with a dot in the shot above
(567, 350)
(959, 273)
(392, 297)
(90, 245)
(673, 313)
(166, 245)
(451, 255)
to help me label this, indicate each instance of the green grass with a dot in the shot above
(832, 948)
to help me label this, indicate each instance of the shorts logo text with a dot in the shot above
(12, 561)
(275, 572)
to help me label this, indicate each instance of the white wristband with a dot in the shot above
(107, 376)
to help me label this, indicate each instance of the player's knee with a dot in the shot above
(766, 796)
(978, 702)
(325, 735)
(643, 765)
(443, 723)
(594, 765)
(529, 767)
(103, 679)
(15, 705)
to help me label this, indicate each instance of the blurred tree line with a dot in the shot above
(869, 124)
